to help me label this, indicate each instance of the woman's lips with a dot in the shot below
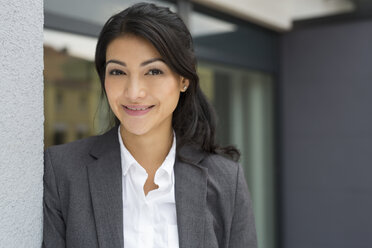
(137, 110)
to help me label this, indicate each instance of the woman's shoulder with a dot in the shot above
(221, 167)
(71, 157)
(85, 145)
(79, 153)
(220, 161)
(212, 161)
(80, 146)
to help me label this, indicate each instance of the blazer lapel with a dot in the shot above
(190, 193)
(105, 182)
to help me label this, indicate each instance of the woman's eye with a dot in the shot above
(116, 72)
(155, 72)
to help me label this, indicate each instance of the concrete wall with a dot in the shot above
(21, 123)
(326, 119)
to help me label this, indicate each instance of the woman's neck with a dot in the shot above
(150, 149)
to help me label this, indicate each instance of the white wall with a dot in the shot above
(278, 14)
(303, 9)
(272, 14)
(21, 123)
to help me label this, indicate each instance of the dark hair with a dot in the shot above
(193, 119)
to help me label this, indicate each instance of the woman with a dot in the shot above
(157, 179)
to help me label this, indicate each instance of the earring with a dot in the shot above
(184, 88)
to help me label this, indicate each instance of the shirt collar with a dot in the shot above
(127, 160)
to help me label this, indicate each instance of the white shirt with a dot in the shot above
(148, 221)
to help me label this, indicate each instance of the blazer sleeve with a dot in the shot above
(243, 230)
(53, 223)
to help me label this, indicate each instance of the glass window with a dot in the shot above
(72, 95)
(243, 100)
(235, 70)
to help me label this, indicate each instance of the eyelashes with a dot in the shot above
(116, 72)
(151, 72)
(154, 72)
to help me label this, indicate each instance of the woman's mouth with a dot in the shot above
(137, 110)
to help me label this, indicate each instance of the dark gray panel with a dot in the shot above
(326, 106)
(249, 47)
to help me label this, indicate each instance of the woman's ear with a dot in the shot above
(184, 84)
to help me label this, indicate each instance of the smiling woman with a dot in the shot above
(158, 178)
(142, 90)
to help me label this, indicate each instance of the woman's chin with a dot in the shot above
(136, 130)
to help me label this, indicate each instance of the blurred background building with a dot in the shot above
(71, 95)
(291, 83)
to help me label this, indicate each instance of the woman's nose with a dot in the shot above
(134, 89)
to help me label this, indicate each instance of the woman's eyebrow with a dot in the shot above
(142, 64)
(116, 62)
(151, 61)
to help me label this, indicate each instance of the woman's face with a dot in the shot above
(141, 89)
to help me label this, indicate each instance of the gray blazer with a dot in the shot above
(83, 198)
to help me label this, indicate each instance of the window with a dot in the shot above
(236, 74)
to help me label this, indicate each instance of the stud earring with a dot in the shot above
(184, 88)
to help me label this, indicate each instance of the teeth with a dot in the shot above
(137, 108)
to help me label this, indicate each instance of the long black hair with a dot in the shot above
(193, 119)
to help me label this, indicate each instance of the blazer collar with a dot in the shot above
(105, 181)
(191, 195)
